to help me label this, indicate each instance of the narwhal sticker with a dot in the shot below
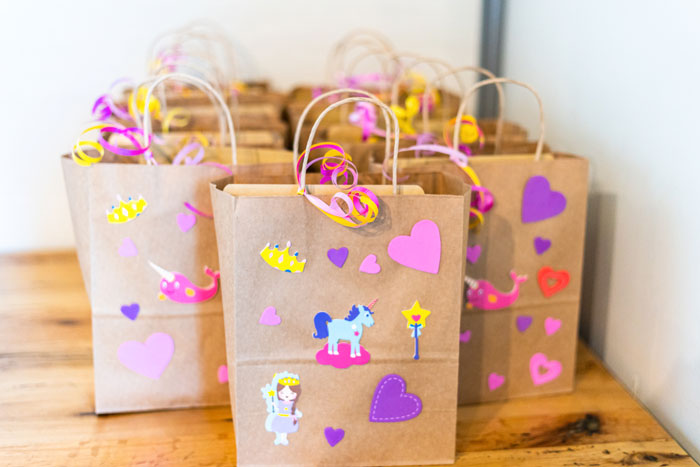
(178, 288)
(484, 296)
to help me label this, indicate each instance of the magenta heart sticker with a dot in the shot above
(523, 322)
(127, 248)
(539, 201)
(391, 403)
(338, 256)
(150, 358)
(495, 381)
(551, 325)
(269, 317)
(465, 336)
(222, 374)
(369, 265)
(473, 253)
(543, 370)
(420, 250)
(186, 221)
(542, 245)
(334, 436)
(131, 311)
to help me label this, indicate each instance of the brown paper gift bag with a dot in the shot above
(518, 338)
(391, 403)
(150, 353)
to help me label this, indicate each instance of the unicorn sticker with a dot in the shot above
(344, 354)
(178, 288)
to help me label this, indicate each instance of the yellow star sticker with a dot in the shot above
(415, 314)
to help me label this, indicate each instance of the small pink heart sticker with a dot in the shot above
(186, 221)
(495, 381)
(543, 370)
(551, 325)
(269, 317)
(222, 374)
(465, 336)
(369, 265)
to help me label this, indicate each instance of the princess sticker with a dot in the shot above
(282, 397)
(343, 354)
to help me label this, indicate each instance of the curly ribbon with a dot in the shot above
(469, 133)
(175, 118)
(137, 104)
(481, 203)
(357, 81)
(405, 114)
(83, 159)
(364, 116)
(359, 206)
(197, 211)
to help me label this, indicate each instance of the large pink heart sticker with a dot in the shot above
(420, 250)
(391, 402)
(543, 370)
(150, 358)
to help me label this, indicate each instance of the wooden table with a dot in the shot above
(46, 400)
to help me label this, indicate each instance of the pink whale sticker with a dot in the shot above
(178, 288)
(542, 370)
(484, 296)
(421, 250)
(150, 358)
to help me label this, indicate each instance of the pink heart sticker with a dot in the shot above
(150, 358)
(222, 374)
(543, 370)
(420, 250)
(269, 317)
(369, 265)
(551, 325)
(465, 336)
(495, 381)
(186, 221)
(127, 248)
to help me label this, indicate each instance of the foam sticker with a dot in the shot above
(473, 253)
(523, 322)
(131, 311)
(127, 210)
(542, 245)
(543, 370)
(551, 281)
(127, 248)
(338, 256)
(282, 260)
(222, 374)
(391, 403)
(178, 288)
(282, 397)
(269, 317)
(466, 336)
(540, 202)
(344, 354)
(484, 296)
(333, 435)
(369, 265)
(198, 212)
(150, 358)
(551, 325)
(495, 381)
(420, 250)
(415, 320)
(186, 221)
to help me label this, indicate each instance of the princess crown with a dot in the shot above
(286, 378)
(126, 210)
(281, 260)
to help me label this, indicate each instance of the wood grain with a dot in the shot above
(47, 417)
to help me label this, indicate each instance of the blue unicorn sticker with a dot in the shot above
(344, 354)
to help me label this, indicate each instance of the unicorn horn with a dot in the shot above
(371, 304)
(471, 282)
(167, 275)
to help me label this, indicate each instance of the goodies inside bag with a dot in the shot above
(342, 320)
(147, 250)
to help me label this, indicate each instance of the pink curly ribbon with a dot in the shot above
(188, 148)
(197, 211)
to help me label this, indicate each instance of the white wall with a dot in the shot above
(59, 56)
(620, 85)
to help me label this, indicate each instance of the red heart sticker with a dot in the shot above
(552, 281)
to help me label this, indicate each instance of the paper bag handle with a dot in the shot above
(307, 109)
(498, 81)
(358, 37)
(204, 86)
(375, 101)
(477, 69)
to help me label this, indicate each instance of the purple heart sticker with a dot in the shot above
(523, 322)
(542, 245)
(338, 256)
(131, 311)
(334, 436)
(473, 253)
(391, 403)
(539, 201)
